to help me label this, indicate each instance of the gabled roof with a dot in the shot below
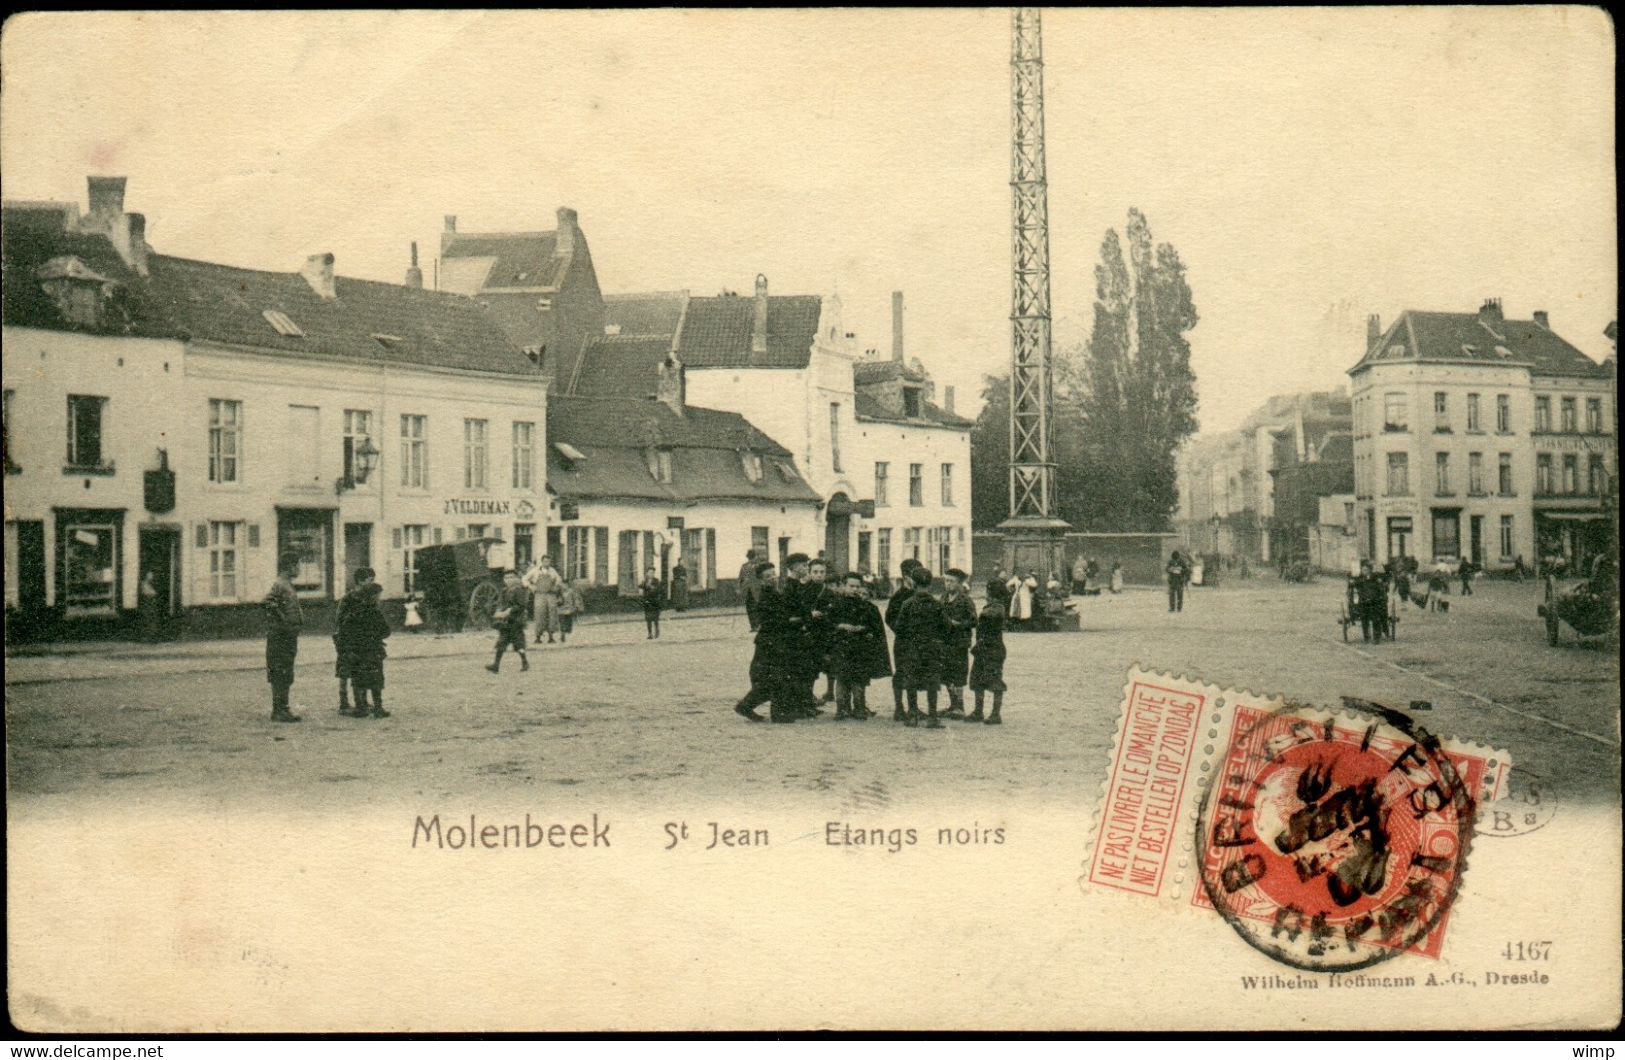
(656, 314)
(931, 415)
(869, 372)
(717, 332)
(517, 259)
(614, 436)
(1433, 336)
(206, 302)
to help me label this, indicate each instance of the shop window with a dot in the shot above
(89, 562)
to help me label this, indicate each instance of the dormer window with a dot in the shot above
(786, 472)
(388, 342)
(660, 463)
(752, 463)
(1396, 350)
(911, 402)
(544, 302)
(612, 330)
(78, 290)
(571, 454)
(536, 353)
(283, 323)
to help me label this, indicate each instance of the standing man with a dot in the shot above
(802, 666)
(510, 621)
(1177, 570)
(283, 621)
(905, 589)
(750, 588)
(1368, 602)
(545, 585)
(959, 614)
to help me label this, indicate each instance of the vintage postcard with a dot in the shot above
(781, 520)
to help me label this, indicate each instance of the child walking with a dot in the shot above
(283, 620)
(509, 619)
(570, 605)
(362, 630)
(987, 672)
(653, 595)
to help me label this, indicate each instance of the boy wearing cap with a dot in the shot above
(921, 633)
(800, 669)
(509, 619)
(899, 596)
(283, 620)
(959, 614)
(857, 648)
(768, 682)
(359, 635)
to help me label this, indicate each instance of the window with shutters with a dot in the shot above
(882, 470)
(223, 565)
(627, 572)
(225, 440)
(85, 421)
(916, 485)
(524, 455)
(577, 552)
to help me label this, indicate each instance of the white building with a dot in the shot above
(1480, 436)
(890, 466)
(192, 421)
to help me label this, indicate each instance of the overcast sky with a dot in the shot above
(1312, 166)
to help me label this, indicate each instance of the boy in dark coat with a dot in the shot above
(801, 642)
(857, 648)
(283, 621)
(899, 596)
(921, 633)
(768, 664)
(987, 673)
(360, 635)
(825, 590)
(960, 615)
(509, 618)
(654, 598)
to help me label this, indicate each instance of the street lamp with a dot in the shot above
(363, 458)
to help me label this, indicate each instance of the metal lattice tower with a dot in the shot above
(1032, 471)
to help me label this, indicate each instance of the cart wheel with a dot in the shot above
(482, 603)
(1343, 620)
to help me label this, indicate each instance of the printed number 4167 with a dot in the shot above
(1527, 951)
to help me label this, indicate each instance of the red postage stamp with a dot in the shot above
(1329, 839)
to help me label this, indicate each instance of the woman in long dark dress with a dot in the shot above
(987, 666)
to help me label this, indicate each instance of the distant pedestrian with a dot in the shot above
(750, 588)
(359, 636)
(1092, 576)
(1021, 600)
(959, 616)
(858, 652)
(545, 585)
(987, 672)
(899, 596)
(921, 635)
(151, 618)
(653, 595)
(414, 615)
(679, 587)
(283, 622)
(571, 604)
(1080, 575)
(1519, 569)
(1465, 572)
(509, 620)
(1117, 577)
(1439, 587)
(1178, 571)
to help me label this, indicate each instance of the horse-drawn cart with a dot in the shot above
(458, 583)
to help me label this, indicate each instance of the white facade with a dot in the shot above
(258, 446)
(932, 525)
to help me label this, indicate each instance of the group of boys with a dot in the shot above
(359, 633)
(817, 623)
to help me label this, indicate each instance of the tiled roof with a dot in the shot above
(867, 408)
(652, 315)
(619, 367)
(1430, 336)
(520, 259)
(614, 435)
(866, 372)
(180, 298)
(717, 332)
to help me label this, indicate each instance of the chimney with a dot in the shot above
(897, 326)
(568, 229)
(1542, 320)
(414, 275)
(1373, 329)
(1490, 311)
(318, 272)
(129, 237)
(948, 400)
(451, 222)
(106, 201)
(758, 331)
(670, 391)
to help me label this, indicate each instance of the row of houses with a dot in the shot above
(1467, 436)
(181, 423)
